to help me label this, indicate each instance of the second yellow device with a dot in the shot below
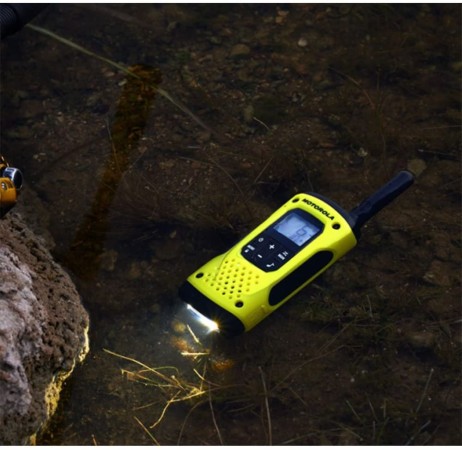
(299, 241)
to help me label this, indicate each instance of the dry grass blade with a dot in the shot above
(141, 424)
(164, 410)
(147, 368)
(214, 419)
(120, 67)
(424, 393)
(315, 358)
(268, 414)
(173, 387)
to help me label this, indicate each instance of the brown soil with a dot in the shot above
(281, 98)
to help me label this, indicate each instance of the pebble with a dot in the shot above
(135, 271)
(20, 132)
(167, 250)
(178, 327)
(239, 51)
(32, 108)
(416, 166)
(109, 260)
(421, 339)
(302, 42)
(437, 274)
(155, 308)
(248, 113)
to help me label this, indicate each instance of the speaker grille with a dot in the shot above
(232, 280)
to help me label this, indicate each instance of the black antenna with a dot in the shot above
(14, 16)
(379, 199)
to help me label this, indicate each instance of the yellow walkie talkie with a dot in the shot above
(10, 184)
(238, 289)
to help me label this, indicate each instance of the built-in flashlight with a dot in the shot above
(209, 324)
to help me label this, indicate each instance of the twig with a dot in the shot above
(149, 369)
(268, 415)
(323, 347)
(122, 68)
(305, 363)
(180, 435)
(164, 410)
(213, 418)
(412, 438)
(194, 354)
(196, 340)
(424, 391)
(375, 108)
(147, 431)
(354, 411)
(261, 123)
(214, 163)
(372, 409)
(263, 170)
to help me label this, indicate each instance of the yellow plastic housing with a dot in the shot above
(8, 195)
(250, 294)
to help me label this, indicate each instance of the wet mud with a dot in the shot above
(259, 102)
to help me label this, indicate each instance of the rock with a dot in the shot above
(302, 42)
(248, 114)
(168, 249)
(421, 339)
(109, 260)
(43, 332)
(416, 166)
(240, 51)
(438, 274)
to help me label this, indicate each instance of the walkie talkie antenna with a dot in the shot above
(379, 199)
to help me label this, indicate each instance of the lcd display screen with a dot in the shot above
(296, 228)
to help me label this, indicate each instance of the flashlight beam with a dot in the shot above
(209, 324)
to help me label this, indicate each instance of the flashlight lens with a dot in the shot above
(209, 324)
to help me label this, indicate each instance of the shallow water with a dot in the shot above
(138, 189)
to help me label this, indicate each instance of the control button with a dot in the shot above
(259, 256)
(266, 253)
(248, 249)
(283, 255)
(254, 246)
(270, 246)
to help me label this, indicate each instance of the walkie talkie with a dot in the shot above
(299, 241)
(10, 185)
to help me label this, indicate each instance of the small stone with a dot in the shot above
(108, 260)
(20, 132)
(155, 308)
(416, 166)
(348, 437)
(32, 108)
(135, 271)
(168, 249)
(302, 42)
(178, 327)
(421, 339)
(240, 51)
(248, 113)
(437, 274)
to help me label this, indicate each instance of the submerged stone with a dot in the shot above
(43, 332)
